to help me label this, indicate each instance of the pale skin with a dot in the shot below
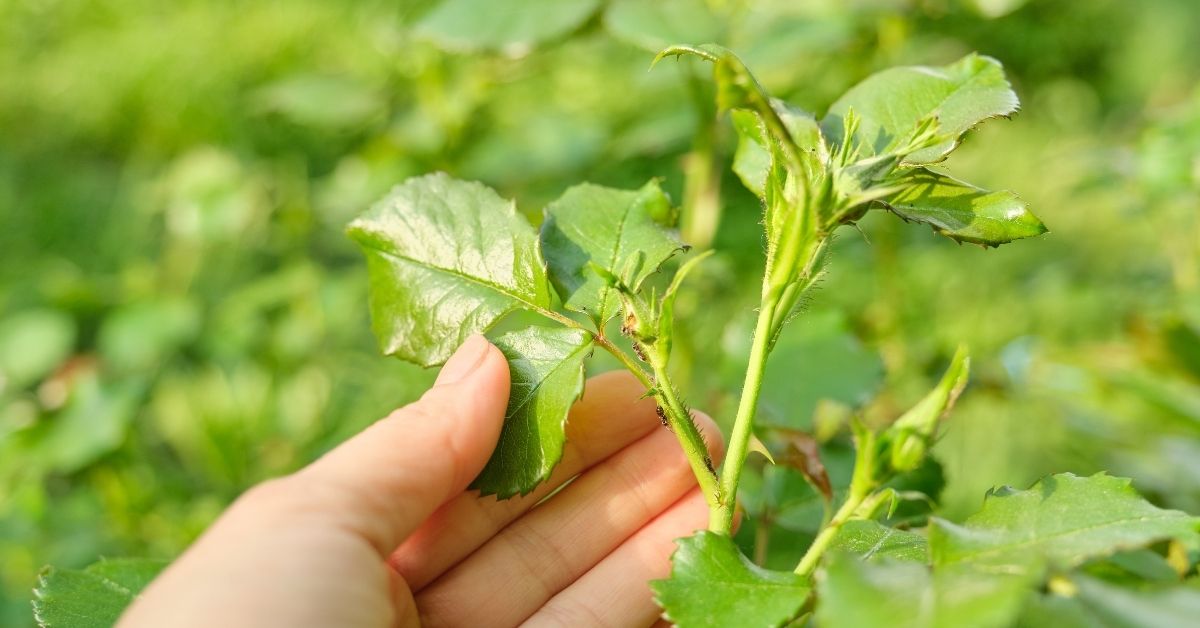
(383, 532)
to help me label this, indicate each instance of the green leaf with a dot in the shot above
(906, 595)
(753, 161)
(447, 259)
(713, 584)
(1118, 607)
(655, 25)
(512, 26)
(893, 103)
(868, 540)
(620, 231)
(962, 211)
(546, 368)
(1064, 519)
(91, 597)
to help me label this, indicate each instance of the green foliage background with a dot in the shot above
(181, 315)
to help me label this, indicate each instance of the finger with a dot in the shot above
(385, 481)
(616, 592)
(538, 555)
(611, 414)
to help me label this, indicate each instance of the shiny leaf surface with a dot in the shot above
(620, 231)
(546, 368)
(447, 259)
(962, 211)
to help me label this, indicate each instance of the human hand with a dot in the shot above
(382, 532)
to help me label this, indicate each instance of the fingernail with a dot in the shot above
(464, 361)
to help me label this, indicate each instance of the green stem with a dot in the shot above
(721, 520)
(821, 543)
(677, 416)
(689, 437)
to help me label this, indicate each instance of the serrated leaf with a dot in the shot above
(892, 103)
(655, 25)
(447, 259)
(853, 594)
(962, 211)
(1064, 519)
(512, 26)
(91, 597)
(620, 231)
(547, 372)
(713, 584)
(869, 540)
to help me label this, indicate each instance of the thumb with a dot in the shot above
(393, 475)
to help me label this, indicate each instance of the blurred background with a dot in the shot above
(181, 315)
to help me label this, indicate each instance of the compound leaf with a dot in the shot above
(962, 211)
(620, 231)
(91, 597)
(907, 595)
(547, 372)
(893, 103)
(512, 26)
(1064, 519)
(447, 259)
(713, 584)
(869, 540)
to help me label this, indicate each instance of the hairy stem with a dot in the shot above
(721, 520)
(689, 437)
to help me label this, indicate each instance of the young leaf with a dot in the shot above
(512, 26)
(911, 433)
(620, 231)
(713, 584)
(447, 259)
(894, 103)
(907, 595)
(92, 597)
(546, 368)
(962, 211)
(753, 160)
(868, 540)
(1064, 518)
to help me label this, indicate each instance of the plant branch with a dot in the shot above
(820, 544)
(721, 520)
(689, 437)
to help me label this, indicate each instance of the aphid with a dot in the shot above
(639, 352)
(662, 416)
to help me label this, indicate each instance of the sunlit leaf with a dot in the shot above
(892, 103)
(620, 231)
(93, 597)
(713, 584)
(962, 211)
(869, 540)
(447, 259)
(1065, 519)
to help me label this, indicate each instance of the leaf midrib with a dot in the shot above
(502, 290)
